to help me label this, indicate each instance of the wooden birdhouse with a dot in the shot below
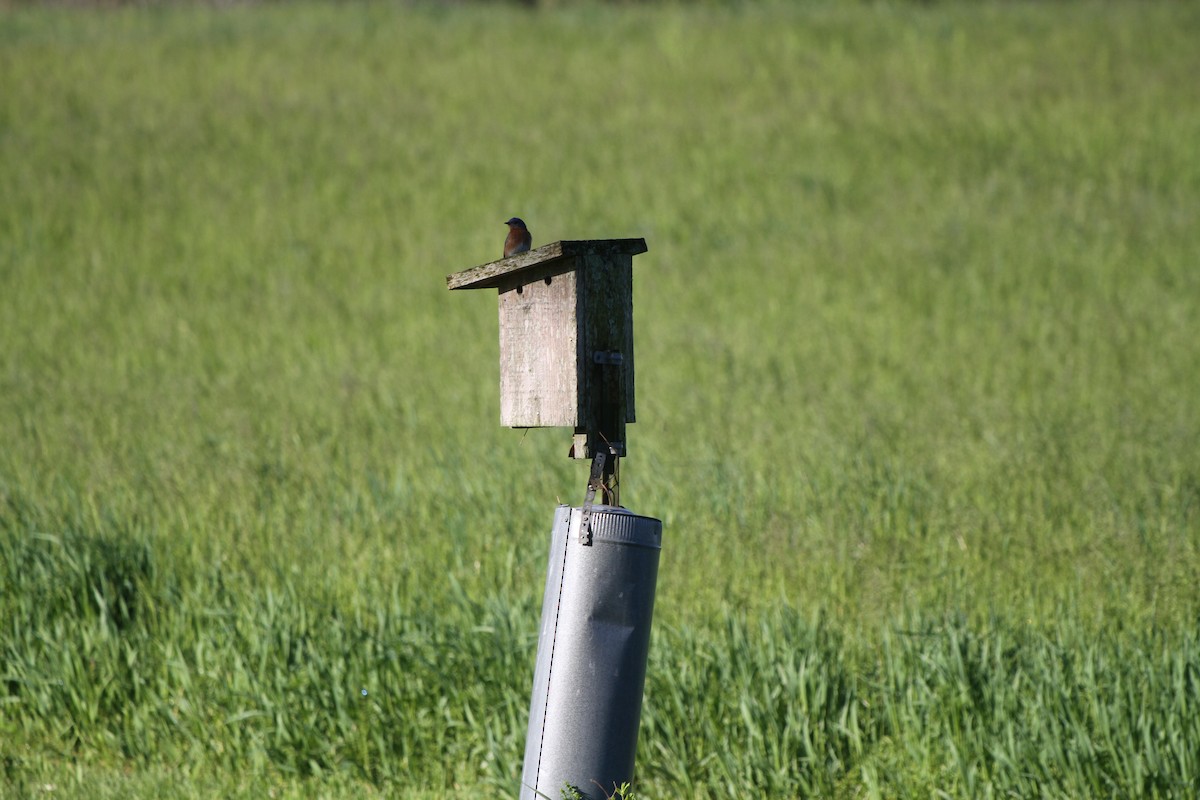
(566, 337)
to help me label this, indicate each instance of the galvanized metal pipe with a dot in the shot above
(592, 649)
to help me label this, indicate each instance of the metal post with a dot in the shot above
(592, 650)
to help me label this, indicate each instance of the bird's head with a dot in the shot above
(516, 222)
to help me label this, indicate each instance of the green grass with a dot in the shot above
(917, 346)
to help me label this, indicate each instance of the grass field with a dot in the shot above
(918, 347)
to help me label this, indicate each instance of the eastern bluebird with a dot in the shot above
(519, 238)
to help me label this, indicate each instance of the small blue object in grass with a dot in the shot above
(364, 692)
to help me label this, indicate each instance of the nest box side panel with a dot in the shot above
(539, 386)
(606, 334)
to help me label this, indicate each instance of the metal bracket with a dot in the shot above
(595, 481)
(613, 357)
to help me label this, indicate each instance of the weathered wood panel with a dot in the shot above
(495, 273)
(539, 385)
(606, 365)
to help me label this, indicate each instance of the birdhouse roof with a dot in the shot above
(491, 275)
